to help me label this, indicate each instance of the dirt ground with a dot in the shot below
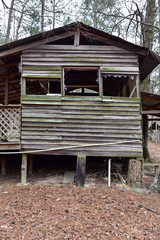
(48, 209)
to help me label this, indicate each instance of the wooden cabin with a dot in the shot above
(73, 90)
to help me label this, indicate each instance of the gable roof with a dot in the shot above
(148, 60)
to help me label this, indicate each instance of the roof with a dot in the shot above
(150, 104)
(148, 60)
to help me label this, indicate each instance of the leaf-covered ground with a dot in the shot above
(66, 212)
(46, 209)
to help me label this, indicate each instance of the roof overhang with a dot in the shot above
(150, 104)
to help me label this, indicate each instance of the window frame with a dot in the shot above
(100, 86)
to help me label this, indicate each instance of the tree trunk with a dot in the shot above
(42, 16)
(95, 14)
(149, 18)
(148, 42)
(148, 34)
(20, 19)
(9, 22)
(54, 15)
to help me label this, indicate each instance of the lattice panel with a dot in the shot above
(10, 124)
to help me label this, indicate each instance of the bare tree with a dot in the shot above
(149, 18)
(54, 14)
(21, 18)
(9, 21)
(42, 15)
(148, 42)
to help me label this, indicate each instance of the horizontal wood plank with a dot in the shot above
(49, 121)
(81, 122)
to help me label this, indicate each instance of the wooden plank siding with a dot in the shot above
(70, 121)
(57, 122)
(42, 60)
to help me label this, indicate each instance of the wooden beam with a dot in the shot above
(11, 74)
(3, 165)
(9, 65)
(82, 86)
(11, 81)
(24, 169)
(151, 112)
(33, 44)
(81, 68)
(30, 170)
(81, 170)
(112, 42)
(155, 165)
(151, 119)
(76, 38)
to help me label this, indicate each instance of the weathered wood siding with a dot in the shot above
(43, 61)
(64, 122)
(57, 122)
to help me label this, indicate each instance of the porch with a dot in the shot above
(10, 127)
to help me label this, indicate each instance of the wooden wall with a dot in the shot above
(40, 62)
(57, 122)
(64, 122)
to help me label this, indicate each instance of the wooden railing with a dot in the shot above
(10, 123)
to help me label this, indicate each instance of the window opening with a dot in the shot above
(54, 87)
(43, 87)
(119, 85)
(36, 87)
(81, 81)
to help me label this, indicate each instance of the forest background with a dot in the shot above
(136, 21)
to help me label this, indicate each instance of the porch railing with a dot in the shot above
(10, 123)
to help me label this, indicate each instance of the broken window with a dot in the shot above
(43, 87)
(36, 87)
(81, 81)
(119, 85)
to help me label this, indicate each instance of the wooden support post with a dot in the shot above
(76, 38)
(63, 83)
(156, 139)
(100, 83)
(156, 171)
(81, 170)
(142, 171)
(30, 169)
(3, 165)
(24, 169)
(137, 86)
(109, 172)
(23, 86)
(134, 172)
(145, 138)
(6, 87)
